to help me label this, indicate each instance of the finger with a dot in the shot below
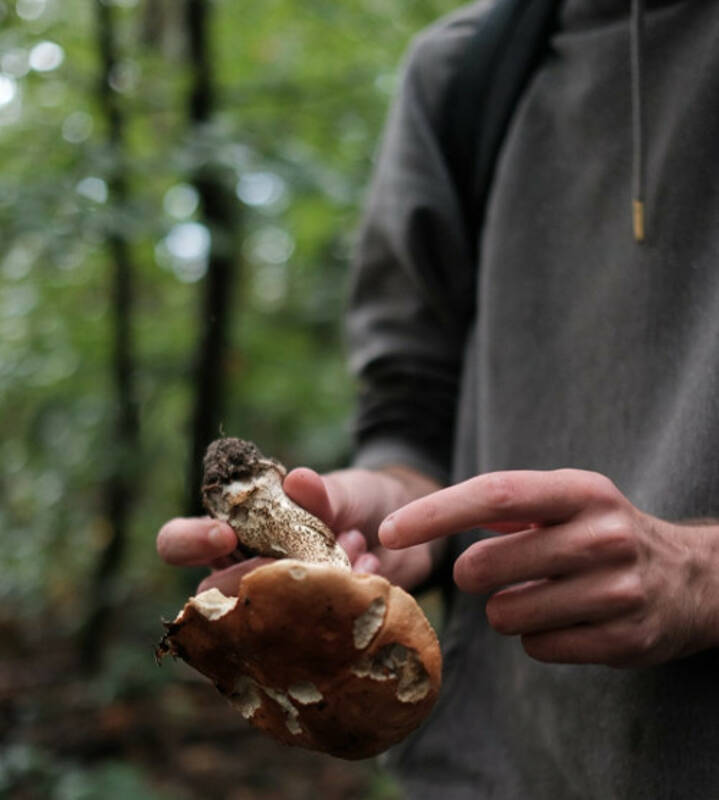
(496, 498)
(226, 561)
(406, 568)
(354, 500)
(614, 644)
(195, 540)
(512, 527)
(353, 543)
(343, 500)
(367, 562)
(585, 543)
(546, 605)
(308, 490)
(228, 580)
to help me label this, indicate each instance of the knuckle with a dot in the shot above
(650, 641)
(431, 510)
(499, 616)
(621, 545)
(472, 570)
(570, 474)
(538, 648)
(627, 591)
(480, 565)
(499, 490)
(602, 486)
(612, 537)
(630, 645)
(596, 485)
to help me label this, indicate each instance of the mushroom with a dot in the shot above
(243, 488)
(312, 653)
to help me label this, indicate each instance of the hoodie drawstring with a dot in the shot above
(638, 121)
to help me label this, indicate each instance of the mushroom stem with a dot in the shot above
(244, 489)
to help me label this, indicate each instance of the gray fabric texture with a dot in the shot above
(579, 348)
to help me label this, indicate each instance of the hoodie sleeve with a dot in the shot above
(413, 281)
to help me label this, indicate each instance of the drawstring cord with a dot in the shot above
(638, 121)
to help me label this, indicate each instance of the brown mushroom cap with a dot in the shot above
(316, 656)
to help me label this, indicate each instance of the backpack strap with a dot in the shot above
(478, 105)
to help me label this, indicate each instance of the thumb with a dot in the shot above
(343, 500)
(307, 488)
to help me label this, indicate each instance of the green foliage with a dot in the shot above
(303, 88)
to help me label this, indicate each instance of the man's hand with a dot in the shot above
(351, 502)
(580, 573)
(202, 541)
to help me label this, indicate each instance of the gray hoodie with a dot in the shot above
(564, 344)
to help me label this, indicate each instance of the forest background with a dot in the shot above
(180, 184)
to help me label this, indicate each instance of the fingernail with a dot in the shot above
(215, 536)
(355, 537)
(367, 563)
(388, 532)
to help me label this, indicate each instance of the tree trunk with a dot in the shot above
(221, 213)
(119, 489)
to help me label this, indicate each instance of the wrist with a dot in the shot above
(361, 498)
(411, 483)
(707, 601)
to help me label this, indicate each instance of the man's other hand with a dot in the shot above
(579, 573)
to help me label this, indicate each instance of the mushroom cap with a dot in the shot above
(318, 657)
